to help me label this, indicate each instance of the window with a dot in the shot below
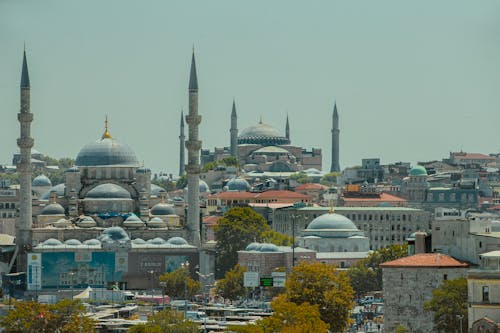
(486, 293)
(445, 277)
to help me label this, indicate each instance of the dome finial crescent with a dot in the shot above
(106, 134)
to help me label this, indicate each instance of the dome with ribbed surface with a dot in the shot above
(106, 152)
(162, 209)
(332, 221)
(108, 191)
(262, 134)
(41, 180)
(53, 209)
(238, 184)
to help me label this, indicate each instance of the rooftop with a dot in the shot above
(425, 260)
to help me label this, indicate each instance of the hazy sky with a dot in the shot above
(413, 80)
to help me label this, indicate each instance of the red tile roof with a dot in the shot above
(473, 156)
(425, 260)
(384, 197)
(280, 195)
(311, 186)
(211, 220)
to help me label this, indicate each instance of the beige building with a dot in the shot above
(382, 225)
(408, 282)
(483, 284)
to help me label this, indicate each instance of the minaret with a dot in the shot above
(335, 141)
(182, 139)
(25, 143)
(234, 132)
(193, 146)
(287, 129)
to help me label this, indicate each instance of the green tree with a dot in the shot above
(366, 274)
(401, 329)
(231, 286)
(301, 177)
(288, 317)
(325, 286)
(167, 321)
(181, 182)
(65, 316)
(330, 178)
(178, 282)
(277, 238)
(235, 230)
(448, 301)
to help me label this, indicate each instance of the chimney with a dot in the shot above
(420, 242)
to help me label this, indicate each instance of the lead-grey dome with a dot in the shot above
(177, 241)
(41, 180)
(332, 221)
(162, 209)
(53, 209)
(238, 184)
(262, 134)
(108, 191)
(59, 189)
(106, 152)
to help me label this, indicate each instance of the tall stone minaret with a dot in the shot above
(287, 129)
(335, 141)
(25, 143)
(182, 143)
(234, 132)
(193, 146)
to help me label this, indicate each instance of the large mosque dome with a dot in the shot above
(106, 152)
(331, 221)
(262, 134)
(108, 191)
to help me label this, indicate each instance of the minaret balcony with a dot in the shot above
(25, 142)
(193, 120)
(192, 169)
(193, 144)
(25, 117)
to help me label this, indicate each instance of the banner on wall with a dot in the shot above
(34, 271)
(121, 262)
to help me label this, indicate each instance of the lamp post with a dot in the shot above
(71, 274)
(186, 266)
(163, 285)
(151, 273)
(460, 317)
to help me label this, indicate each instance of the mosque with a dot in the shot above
(106, 223)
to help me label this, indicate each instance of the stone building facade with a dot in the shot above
(382, 225)
(408, 283)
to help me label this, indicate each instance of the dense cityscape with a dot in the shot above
(270, 230)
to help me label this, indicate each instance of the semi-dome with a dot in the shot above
(238, 184)
(177, 241)
(108, 191)
(92, 241)
(332, 221)
(41, 180)
(114, 234)
(73, 242)
(262, 134)
(52, 242)
(271, 150)
(86, 222)
(59, 189)
(162, 209)
(106, 152)
(53, 209)
(418, 170)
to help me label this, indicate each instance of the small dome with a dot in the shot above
(252, 247)
(268, 247)
(114, 234)
(52, 242)
(73, 169)
(203, 187)
(162, 209)
(53, 209)
(72, 242)
(61, 223)
(106, 152)
(156, 190)
(418, 170)
(238, 184)
(108, 191)
(177, 241)
(143, 170)
(41, 180)
(86, 222)
(332, 221)
(156, 222)
(59, 189)
(133, 221)
(156, 241)
(139, 241)
(92, 241)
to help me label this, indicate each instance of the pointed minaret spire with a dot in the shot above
(234, 132)
(193, 79)
(287, 129)
(25, 78)
(335, 166)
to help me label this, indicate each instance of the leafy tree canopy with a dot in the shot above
(330, 178)
(301, 177)
(324, 286)
(64, 316)
(178, 282)
(448, 301)
(231, 286)
(181, 182)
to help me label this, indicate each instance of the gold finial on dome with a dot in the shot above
(106, 134)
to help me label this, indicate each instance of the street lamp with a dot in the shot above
(460, 317)
(71, 274)
(186, 266)
(163, 285)
(151, 272)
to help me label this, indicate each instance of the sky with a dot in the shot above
(413, 80)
